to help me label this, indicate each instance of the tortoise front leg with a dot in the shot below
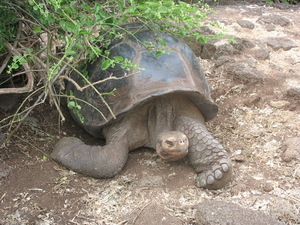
(95, 161)
(206, 154)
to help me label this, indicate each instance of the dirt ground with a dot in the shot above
(255, 120)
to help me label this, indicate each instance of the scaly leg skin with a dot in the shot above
(207, 156)
(95, 161)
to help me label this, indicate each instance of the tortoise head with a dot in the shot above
(172, 145)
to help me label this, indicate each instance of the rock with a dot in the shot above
(208, 50)
(267, 187)
(242, 72)
(294, 92)
(252, 101)
(239, 158)
(152, 215)
(262, 54)
(205, 30)
(282, 209)
(224, 59)
(280, 42)
(253, 12)
(241, 43)
(246, 24)
(270, 27)
(274, 19)
(279, 104)
(249, 62)
(31, 120)
(292, 149)
(211, 212)
(4, 171)
(225, 49)
(238, 188)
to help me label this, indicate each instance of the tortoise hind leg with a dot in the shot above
(207, 156)
(96, 161)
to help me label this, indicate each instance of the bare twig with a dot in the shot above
(41, 99)
(139, 213)
(3, 196)
(97, 82)
(109, 78)
(4, 63)
(72, 81)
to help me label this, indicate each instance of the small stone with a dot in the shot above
(290, 155)
(246, 24)
(279, 104)
(223, 213)
(294, 92)
(280, 42)
(151, 215)
(253, 100)
(239, 158)
(238, 188)
(241, 43)
(242, 72)
(224, 59)
(262, 54)
(270, 27)
(292, 149)
(4, 172)
(274, 19)
(267, 187)
(225, 49)
(208, 50)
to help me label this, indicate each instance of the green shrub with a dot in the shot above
(68, 32)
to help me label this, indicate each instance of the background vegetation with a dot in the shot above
(42, 41)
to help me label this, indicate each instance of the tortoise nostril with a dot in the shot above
(182, 142)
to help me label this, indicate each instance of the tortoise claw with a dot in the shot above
(217, 177)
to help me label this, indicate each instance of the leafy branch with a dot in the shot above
(50, 38)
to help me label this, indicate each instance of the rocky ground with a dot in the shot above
(255, 80)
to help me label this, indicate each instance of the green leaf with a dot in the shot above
(84, 32)
(22, 60)
(168, 3)
(162, 9)
(36, 29)
(121, 5)
(71, 104)
(153, 4)
(86, 7)
(158, 53)
(70, 52)
(161, 41)
(89, 22)
(142, 7)
(78, 45)
(118, 59)
(106, 63)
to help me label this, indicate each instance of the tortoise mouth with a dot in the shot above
(172, 155)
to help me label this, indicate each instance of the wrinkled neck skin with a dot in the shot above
(166, 110)
(142, 126)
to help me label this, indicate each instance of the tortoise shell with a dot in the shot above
(177, 71)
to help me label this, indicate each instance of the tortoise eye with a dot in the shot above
(170, 143)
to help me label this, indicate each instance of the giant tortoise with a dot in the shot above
(163, 105)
